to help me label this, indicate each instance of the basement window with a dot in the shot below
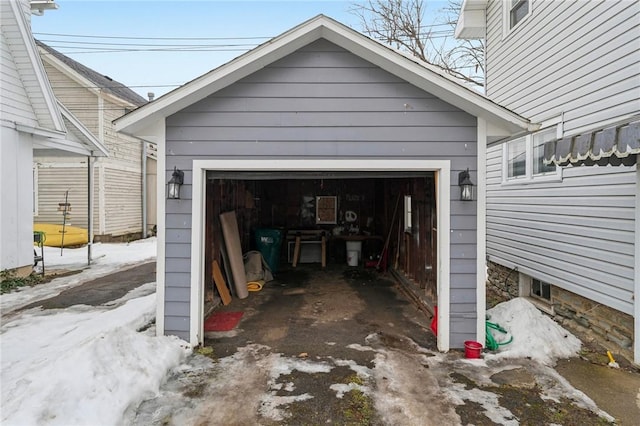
(537, 292)
(541, 290)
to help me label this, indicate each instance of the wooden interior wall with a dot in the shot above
(278, 204)
(413, 250)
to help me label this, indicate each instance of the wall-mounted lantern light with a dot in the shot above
(173, 186)
(466, 186)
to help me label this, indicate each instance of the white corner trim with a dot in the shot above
(636, 277)
(196, 316)
(159, 131)
(481, 232)
(443, 224)
(200, 167)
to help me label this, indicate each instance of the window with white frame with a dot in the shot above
(518, 10)
(523, 158)
(541, 289)
(407, 213)
(517, 158)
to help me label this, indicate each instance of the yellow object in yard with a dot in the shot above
(612, 362)
(73, 236)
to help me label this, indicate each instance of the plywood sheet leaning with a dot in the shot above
(229, 225)
(221, 285)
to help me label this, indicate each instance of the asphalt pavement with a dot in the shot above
(301, 311)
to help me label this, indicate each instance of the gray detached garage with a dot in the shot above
(326, 134)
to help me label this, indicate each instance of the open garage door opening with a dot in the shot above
(382, 222)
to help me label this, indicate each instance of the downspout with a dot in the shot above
(89, 207)
(144, 189)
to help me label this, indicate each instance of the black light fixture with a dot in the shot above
(174, 184)
(466, 186)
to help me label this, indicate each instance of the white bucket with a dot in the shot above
(352, 258)
(355, 246)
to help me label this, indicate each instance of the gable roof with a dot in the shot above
(410, 69)
(16, 33)
(98, 80)
(56, 130)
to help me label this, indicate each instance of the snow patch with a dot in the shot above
(535, 335)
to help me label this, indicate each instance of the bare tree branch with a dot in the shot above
(399, 23)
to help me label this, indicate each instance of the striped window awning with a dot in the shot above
(618, 145)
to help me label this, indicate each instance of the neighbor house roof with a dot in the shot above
(99, 81)
(57, 131)
(410, 69)
(16, 34)
(77, 140)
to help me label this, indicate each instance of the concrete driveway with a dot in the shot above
(344, 346)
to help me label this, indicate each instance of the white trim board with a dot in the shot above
(481, 233)
(200, 167)
(636, 297)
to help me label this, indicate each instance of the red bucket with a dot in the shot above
(472, 349)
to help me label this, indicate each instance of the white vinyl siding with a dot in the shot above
(579, 59)
(79, 100)
(123, 201)
(577, 234)
(117, 198)
(14, 102)
(53, 182)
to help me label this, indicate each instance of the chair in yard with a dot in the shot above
(38, 240)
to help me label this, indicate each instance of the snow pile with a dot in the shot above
(102, 254)
(535, 335)
(107, 258)
(82, 365)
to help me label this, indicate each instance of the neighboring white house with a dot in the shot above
(124, 191)
(569, 237)
(32, 123)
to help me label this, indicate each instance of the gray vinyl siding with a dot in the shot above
(577, 234)
(322, 102)
(577, 58)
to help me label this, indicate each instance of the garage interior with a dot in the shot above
(388, 219)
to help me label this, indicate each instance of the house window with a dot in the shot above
(407, 212)
(517, 158)
(540, 289)
(519, 9)
(523, 159)
(539, 139)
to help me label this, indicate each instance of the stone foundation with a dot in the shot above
(589, 320)
(125, 238)
(502, 283)
(611, 328)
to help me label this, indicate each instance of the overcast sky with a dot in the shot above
(130, 41)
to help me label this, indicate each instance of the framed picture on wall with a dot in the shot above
(326, 209)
